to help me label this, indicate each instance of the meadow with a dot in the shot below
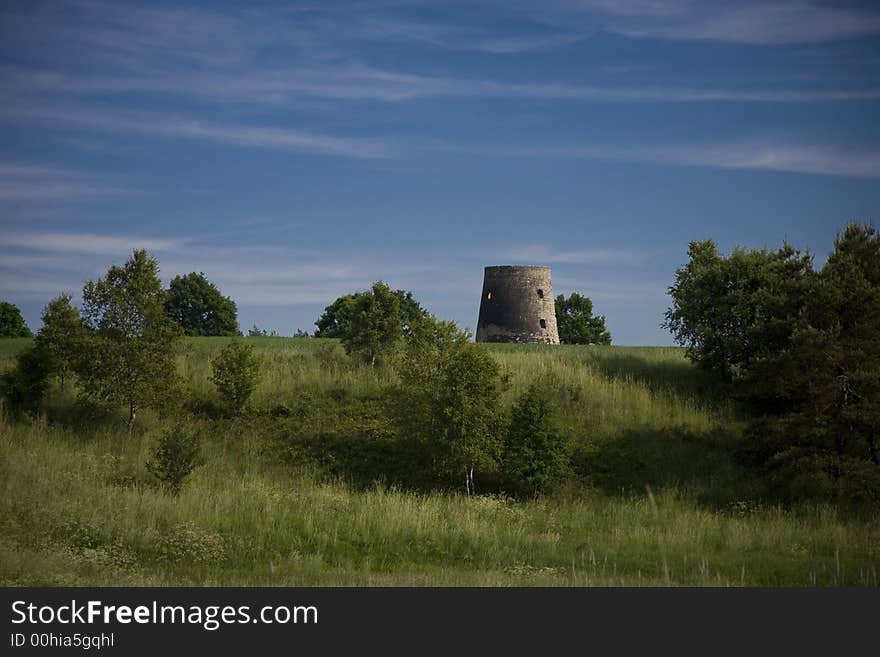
(659, 497)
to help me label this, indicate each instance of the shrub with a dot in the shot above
(236, 373)
(25, 385)
(535, 453)
(175, 457)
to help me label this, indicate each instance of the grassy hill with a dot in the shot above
(285, 495)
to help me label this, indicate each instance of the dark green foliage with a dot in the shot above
(577, 324)
(821, 393)
(535, 452)
(800, 348)
(12, 324)
(174, 458)
(374, 327)
(128, 357)
(195, 304)
(26, 384)
(236, 372)
(336, 321)
(731, 311)
(62, 336)
(448, 401)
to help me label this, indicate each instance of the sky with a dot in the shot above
(297, 152)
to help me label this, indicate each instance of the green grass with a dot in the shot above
(660, 502)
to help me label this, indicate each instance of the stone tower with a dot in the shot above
(517, 306)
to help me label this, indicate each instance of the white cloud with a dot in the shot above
(821, 160)
(536, 253)
(252, 136)
(85, 243)
(359, 83)
(32, 182)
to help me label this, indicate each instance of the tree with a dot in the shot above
(195, 304)
(728, 311)
(128, 358)
(62, 335)
(336, 321)
(535, 453)
(374, 327)
(174, 458)
(576, 323)
(448, 400)
(820, 392)
(25, 385)
(236, 373)
(12, 324)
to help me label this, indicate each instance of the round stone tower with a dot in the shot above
(517, 306)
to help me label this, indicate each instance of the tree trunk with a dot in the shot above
(131, 414)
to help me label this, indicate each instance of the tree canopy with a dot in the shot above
(448, 400)
(62, 335)
(336, 321)
(128, 357)
(800, 348)
(577, 324)
(12, 324)
(374, 327)
(195, 304)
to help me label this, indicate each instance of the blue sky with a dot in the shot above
(296, 152)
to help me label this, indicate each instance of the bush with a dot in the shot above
(535, 453)
(26, 384)
(175, 457)
(236, 373)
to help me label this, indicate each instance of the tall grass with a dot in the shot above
(78, 508)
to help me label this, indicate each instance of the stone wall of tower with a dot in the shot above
(517, 306)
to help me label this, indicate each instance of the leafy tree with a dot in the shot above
(576, 323)
(25, 385)
(62, 335)
(375, 327)
(820, 394)
(336, 321)
(535, 453)
(448, 399)
(174, 458)
(196, 305)
(236, 373)
(128, 358)
(299, 333)
(12, 324)
(728, 312)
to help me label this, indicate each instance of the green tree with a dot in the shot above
(175, 457)
(576, 323)
(236, 372)
(819, 393)
(25, 385)
(535, 453)
(375, 327)
(62, 336)
(448, 400)
(731, 311)
(12, 324)
(336, 321)
(195, 304)
(128, 358)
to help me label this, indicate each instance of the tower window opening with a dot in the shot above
(488, 294)
(540, 293)
(543, 323)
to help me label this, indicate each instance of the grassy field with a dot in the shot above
(659, 498)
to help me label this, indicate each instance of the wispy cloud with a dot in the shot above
(360, 83)
(821, 160)
(85, 243)
(31, 182)
(748, 22)
(538, 253)
(245, 135)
